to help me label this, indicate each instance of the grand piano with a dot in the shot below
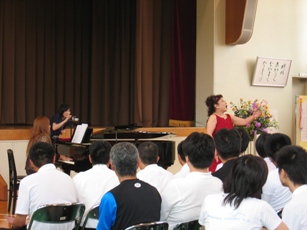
(123, 133)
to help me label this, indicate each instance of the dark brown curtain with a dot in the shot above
(109, 59)
(182, 86)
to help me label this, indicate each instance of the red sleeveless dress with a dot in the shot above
(221, 123)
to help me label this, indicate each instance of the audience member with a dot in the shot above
(133, 201)
(47, 186)
(92, 184)
(40, 133)
(181, 158)
(292, 166)
(259, 145)
(230, 143)
(150, 172)
(183, 197)
(240, 207)
(273, 192)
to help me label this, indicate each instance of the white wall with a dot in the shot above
(279, 32)
(19, 150)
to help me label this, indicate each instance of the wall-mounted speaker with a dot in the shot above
(240, 18)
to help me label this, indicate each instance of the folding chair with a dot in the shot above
(92, 214)
(157, 225)
(59, 214)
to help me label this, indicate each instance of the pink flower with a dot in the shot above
(258, 124)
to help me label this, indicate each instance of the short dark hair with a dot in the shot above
(259, 145)
(211, 101)
(42, 153)
(228, 143)
(180, 151)
(148, 152)
(243, 137)
(124, 157)
(293, 160)
(248, 175)
(199, 147)
(63, 107)
(100, 152)
(275, 142)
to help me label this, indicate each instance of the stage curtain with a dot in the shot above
(182, 86)
(109, 59)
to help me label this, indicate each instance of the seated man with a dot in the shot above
(47, 186)
(150, 172)
(292, 165)
(185, 168)
(92, 184)
(230, 143)
(272, 191)
(182, 197)
(133, 201)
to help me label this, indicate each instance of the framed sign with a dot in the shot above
(271, 72)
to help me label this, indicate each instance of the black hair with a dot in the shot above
(259, 145)
(248, 175)
(180, 151)
(275, 142)
(41, 153)
(148, 152)
(211, 101)
(199, 147)
(100, 152)
(293, 160)
(243, 137)
(228, 143)
(63, 108)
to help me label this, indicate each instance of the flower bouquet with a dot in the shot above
(245, 109)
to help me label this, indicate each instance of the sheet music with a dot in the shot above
(79, 133)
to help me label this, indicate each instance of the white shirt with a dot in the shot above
(183, 197)
(91, 185)
(274, 192)
(269, 163)
(185, 170)
(47, 186)
(155, 176)
(252, 214)
(295, 212)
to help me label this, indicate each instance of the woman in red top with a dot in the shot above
(218, 119)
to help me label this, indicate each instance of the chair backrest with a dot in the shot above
(158, 225)
(12, 166)
(191, 225)
(59, 214)
(92, 214)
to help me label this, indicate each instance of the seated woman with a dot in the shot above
(240, 206)
(40, 133)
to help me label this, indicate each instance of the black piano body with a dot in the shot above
(161, 139)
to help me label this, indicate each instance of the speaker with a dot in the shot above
(240, 18)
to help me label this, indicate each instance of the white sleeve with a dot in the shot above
(169, 197)
(23, 201)
(203, 213)
(269, 217)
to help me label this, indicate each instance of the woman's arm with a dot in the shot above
(56, 126)
(211, 124)
(245, 121)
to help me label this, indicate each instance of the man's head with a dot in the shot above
(148, 153)
(260, 144)
(42, 153)
(292, 165)
(199, 150)
(274, 143)
(100, 152)
(181, 156)
(124, 159)
(228, 143)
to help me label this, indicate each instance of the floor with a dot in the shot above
(4, 215)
